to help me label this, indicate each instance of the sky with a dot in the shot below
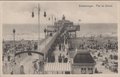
(20, 12)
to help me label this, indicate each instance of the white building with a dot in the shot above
(57, 68)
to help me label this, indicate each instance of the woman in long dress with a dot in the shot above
(22, 69)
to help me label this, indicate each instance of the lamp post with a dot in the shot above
(13, 52)
(39, 10)
(79, 20)
(14, 44)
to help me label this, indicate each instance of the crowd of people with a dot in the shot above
(95, 44)
(103, 50)
(24, 45)
(18, 46)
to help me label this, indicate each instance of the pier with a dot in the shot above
(56, 37)
(61, 52)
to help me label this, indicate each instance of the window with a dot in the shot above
(90, 70)
(60, 72)
(83, 70)
(67, 72)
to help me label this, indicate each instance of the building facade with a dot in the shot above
(83, 63)
(57, 68)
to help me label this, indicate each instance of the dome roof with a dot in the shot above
(83, 57)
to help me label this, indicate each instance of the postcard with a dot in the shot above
(60, 38)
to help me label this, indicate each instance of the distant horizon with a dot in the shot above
(30, 31)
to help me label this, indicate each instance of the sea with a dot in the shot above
(30, 31)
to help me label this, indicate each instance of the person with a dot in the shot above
(60, 58)
(22, 69)
(63, 57)
(3, 57)
(65, 60)
(96, 71)
(35, 46)
(8, 58)
(35, 68)
(40, 64)
(67, 53)
(59, 47)
(63, 47)
(11, 72)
